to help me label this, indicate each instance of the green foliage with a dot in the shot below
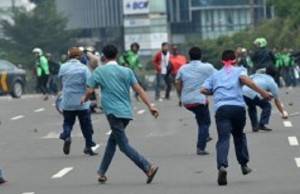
(281, 32)
(43, 27)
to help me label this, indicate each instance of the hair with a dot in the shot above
(110, 51)
(271, 71)
(164, 44)
(228, 55)
(195, 53)
(135, 44)
(74, 52)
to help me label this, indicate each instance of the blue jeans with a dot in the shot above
(265, 114)
(85, 122)
(203, 120)
(118, 138)
(231, 120)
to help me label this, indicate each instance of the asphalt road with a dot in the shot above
(33, 162)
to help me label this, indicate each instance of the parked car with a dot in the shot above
(12, 79)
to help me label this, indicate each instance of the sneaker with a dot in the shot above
(202, 152)
(151, 174)
(2, 180)
(246, 170)
(102, 179)
(89, 151)
(67, 146)
(222, 177)
(264, 128)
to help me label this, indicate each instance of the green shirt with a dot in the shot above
(115, 82)
(131, 59)
(42, 67)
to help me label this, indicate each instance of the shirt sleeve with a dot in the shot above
(243, 72)
(274, 89)
(208, 83)
(132, 78)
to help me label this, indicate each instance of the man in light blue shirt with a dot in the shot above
(189, 79)
(74, 76)
(226, 87)
(253, 99)
(115, 82)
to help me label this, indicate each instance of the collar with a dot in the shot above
(112, 62)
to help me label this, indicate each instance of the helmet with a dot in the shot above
(38, 51)
(261, 42)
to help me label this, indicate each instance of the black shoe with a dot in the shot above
(246, 170)
(67, 146)
(264, 128)
(202, 152)
(256, 129)
(2, 180)
(89, 151)
(222, 178)
(102, 179)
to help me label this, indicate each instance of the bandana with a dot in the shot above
(228, 65)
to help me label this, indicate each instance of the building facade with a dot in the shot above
(213, 18)
(151, 22)
(100, 21)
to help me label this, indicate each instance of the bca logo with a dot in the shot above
(138, 5)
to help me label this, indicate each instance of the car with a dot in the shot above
(12, 79)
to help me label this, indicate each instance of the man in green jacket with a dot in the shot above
(131, 59)
(42, 71)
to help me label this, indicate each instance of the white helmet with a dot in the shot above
(38, 51)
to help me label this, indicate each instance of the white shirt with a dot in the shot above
(164, 63)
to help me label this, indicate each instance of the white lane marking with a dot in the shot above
(62, 172)
(287, 124)
(293, 141)
(108, 133)
(142, 111)
(297, 160)
(39, 110)
(17, 117)
(28, 193)
(95, 147)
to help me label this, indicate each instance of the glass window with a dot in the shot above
(6, 65)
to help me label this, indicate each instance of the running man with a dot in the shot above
(226, 87)
(115, 82)
(189, 80)
(74, 76)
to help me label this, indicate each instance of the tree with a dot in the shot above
(42, 27)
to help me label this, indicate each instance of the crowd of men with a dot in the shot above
(231, 87)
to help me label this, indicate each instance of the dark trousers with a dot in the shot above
(266, 108)
(42, 82)
(85, 122)
(203, 120)
(168, 85)
(53, 84)
(231, 120)
(118, 138)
